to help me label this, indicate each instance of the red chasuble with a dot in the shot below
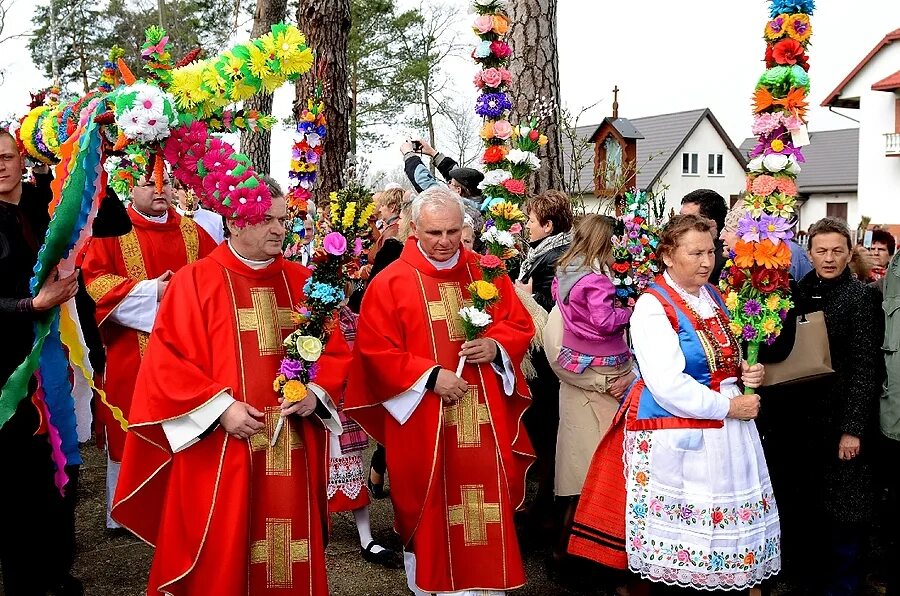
(457, 472)
(228, 517)
(111, 269)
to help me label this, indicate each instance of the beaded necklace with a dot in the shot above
(721, 360)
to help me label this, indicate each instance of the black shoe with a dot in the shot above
(386, 558)
(377, 490)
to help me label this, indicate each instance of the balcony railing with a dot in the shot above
(892, 143)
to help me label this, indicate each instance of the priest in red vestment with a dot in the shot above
(127, 277)
(231, 513)
(457, 451)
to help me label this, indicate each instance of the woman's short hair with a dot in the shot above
(830, 225)
(678, 226)
(392, 198)
(553, 206)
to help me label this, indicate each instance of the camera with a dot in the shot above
(417, 146)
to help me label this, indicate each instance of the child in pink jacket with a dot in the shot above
(594, 321)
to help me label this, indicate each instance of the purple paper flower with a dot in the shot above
(492, 105)
(313, 371)
(752, 308)
(774, 228)
(749, 333)
(335, 244)
(290, 368)
(748, 228)
(357, 247)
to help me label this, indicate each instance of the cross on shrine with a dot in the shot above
(467, 415)
(615, 102)
(279, 553)
(447, 309)
(278, 456)
(267, 319)
(473, 514)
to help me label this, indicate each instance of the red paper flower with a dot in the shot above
(516, 187)
(494, 154)
(534, 135)
(765, 280)
(787, 51)
(800, 58)
(490, 262)
(500, 49)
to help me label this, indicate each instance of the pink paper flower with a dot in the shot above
(502, 129)
(515, 228)
(764, 185)
(491, 77)
(501, 49)
(335, 244)
(483, 24)
(787, 186)
(505, 76)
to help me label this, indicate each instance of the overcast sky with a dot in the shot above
(665, 56)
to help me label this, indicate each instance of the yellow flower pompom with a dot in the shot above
(735, 329)
(769, 326)
(731, 300)
(294, 391)
(773, 301)
(485, 290)
(279, 381)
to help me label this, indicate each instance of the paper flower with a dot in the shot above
(484, 290)
(335, 244)
(788, 51)
(475, 317)
(501, 49)
(483, 24)
(798, 27)
(490, 262)
(309, 348)
(502, 129)
(494, 154)
(294, 391)
(492, 105)
(774, 228)
(494, 178)
(516, 187)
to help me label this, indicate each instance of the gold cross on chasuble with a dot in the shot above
(467, 415)
(473, 514)
(278, 552)
(266, 319)
(278, 456)
(447, 309)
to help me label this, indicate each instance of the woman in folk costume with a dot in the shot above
(347, 473)
(694, 507)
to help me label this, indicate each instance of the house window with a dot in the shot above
(838, 210)
(714, 164)
(689, 163)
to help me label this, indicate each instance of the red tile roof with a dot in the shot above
(888, 39)
(890, 83)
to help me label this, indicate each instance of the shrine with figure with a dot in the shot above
(615, 156)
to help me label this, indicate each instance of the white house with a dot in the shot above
(676, 153)
(827, 184)
(872, 92)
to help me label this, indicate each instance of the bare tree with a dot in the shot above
(257, 145)
(434, 40)
(534, 66)
(326, 24)
(459, 130)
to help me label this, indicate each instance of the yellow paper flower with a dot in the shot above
(543, 140)
(487, 131)
(769, 326)
(259, 62)
(485, 290)
(349, 216)
(777, 145)
(501, 24)
(736, 329)
(731, 300)
(798, 27)
(772, 301)
(294, 391)
(187, 86)
(242, 90)
(368, 212)
(233, 66)
(309, 347)
(335, 211)
(213, 80)
(508, 211)
(297, 62)
(279, 381)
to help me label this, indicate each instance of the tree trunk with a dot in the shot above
(354, 115)
(326, 24)
(535, 73)
(258, 145)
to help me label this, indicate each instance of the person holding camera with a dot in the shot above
(463, 181)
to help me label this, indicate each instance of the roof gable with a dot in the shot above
(834, 98)
(623, 126)
(891, 83)
(662, 138)
(832, 161)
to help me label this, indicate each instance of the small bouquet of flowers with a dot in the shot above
(305, 156)
(333, 266)
(634, 248)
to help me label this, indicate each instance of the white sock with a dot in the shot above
(365, 529)
(112, 478)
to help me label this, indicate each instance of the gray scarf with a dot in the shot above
(549, 243)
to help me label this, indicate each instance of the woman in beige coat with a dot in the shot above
(587, 404)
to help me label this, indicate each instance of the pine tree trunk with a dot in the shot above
(258, 145)
(326, 24)
(535, 73)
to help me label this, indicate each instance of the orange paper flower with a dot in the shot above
(795, 102)
(772, 257)
(501, 24)
(743, 254)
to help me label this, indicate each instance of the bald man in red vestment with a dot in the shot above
(456, 448)
(232, 507)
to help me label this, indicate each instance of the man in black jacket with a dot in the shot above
(463, 181)
(709, 204)
(37, 542)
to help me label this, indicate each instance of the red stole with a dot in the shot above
(111, 268)
(228, 517)
(455, 492)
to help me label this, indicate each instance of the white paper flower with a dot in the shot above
(517, 156)
(500, 237)
(149, 97)
(793, 167)
(775, 162)
(756, 164)
(475, 317)
(154, 127)
(313, 139)
(494, 178)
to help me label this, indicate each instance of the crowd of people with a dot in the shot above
(647, 455)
